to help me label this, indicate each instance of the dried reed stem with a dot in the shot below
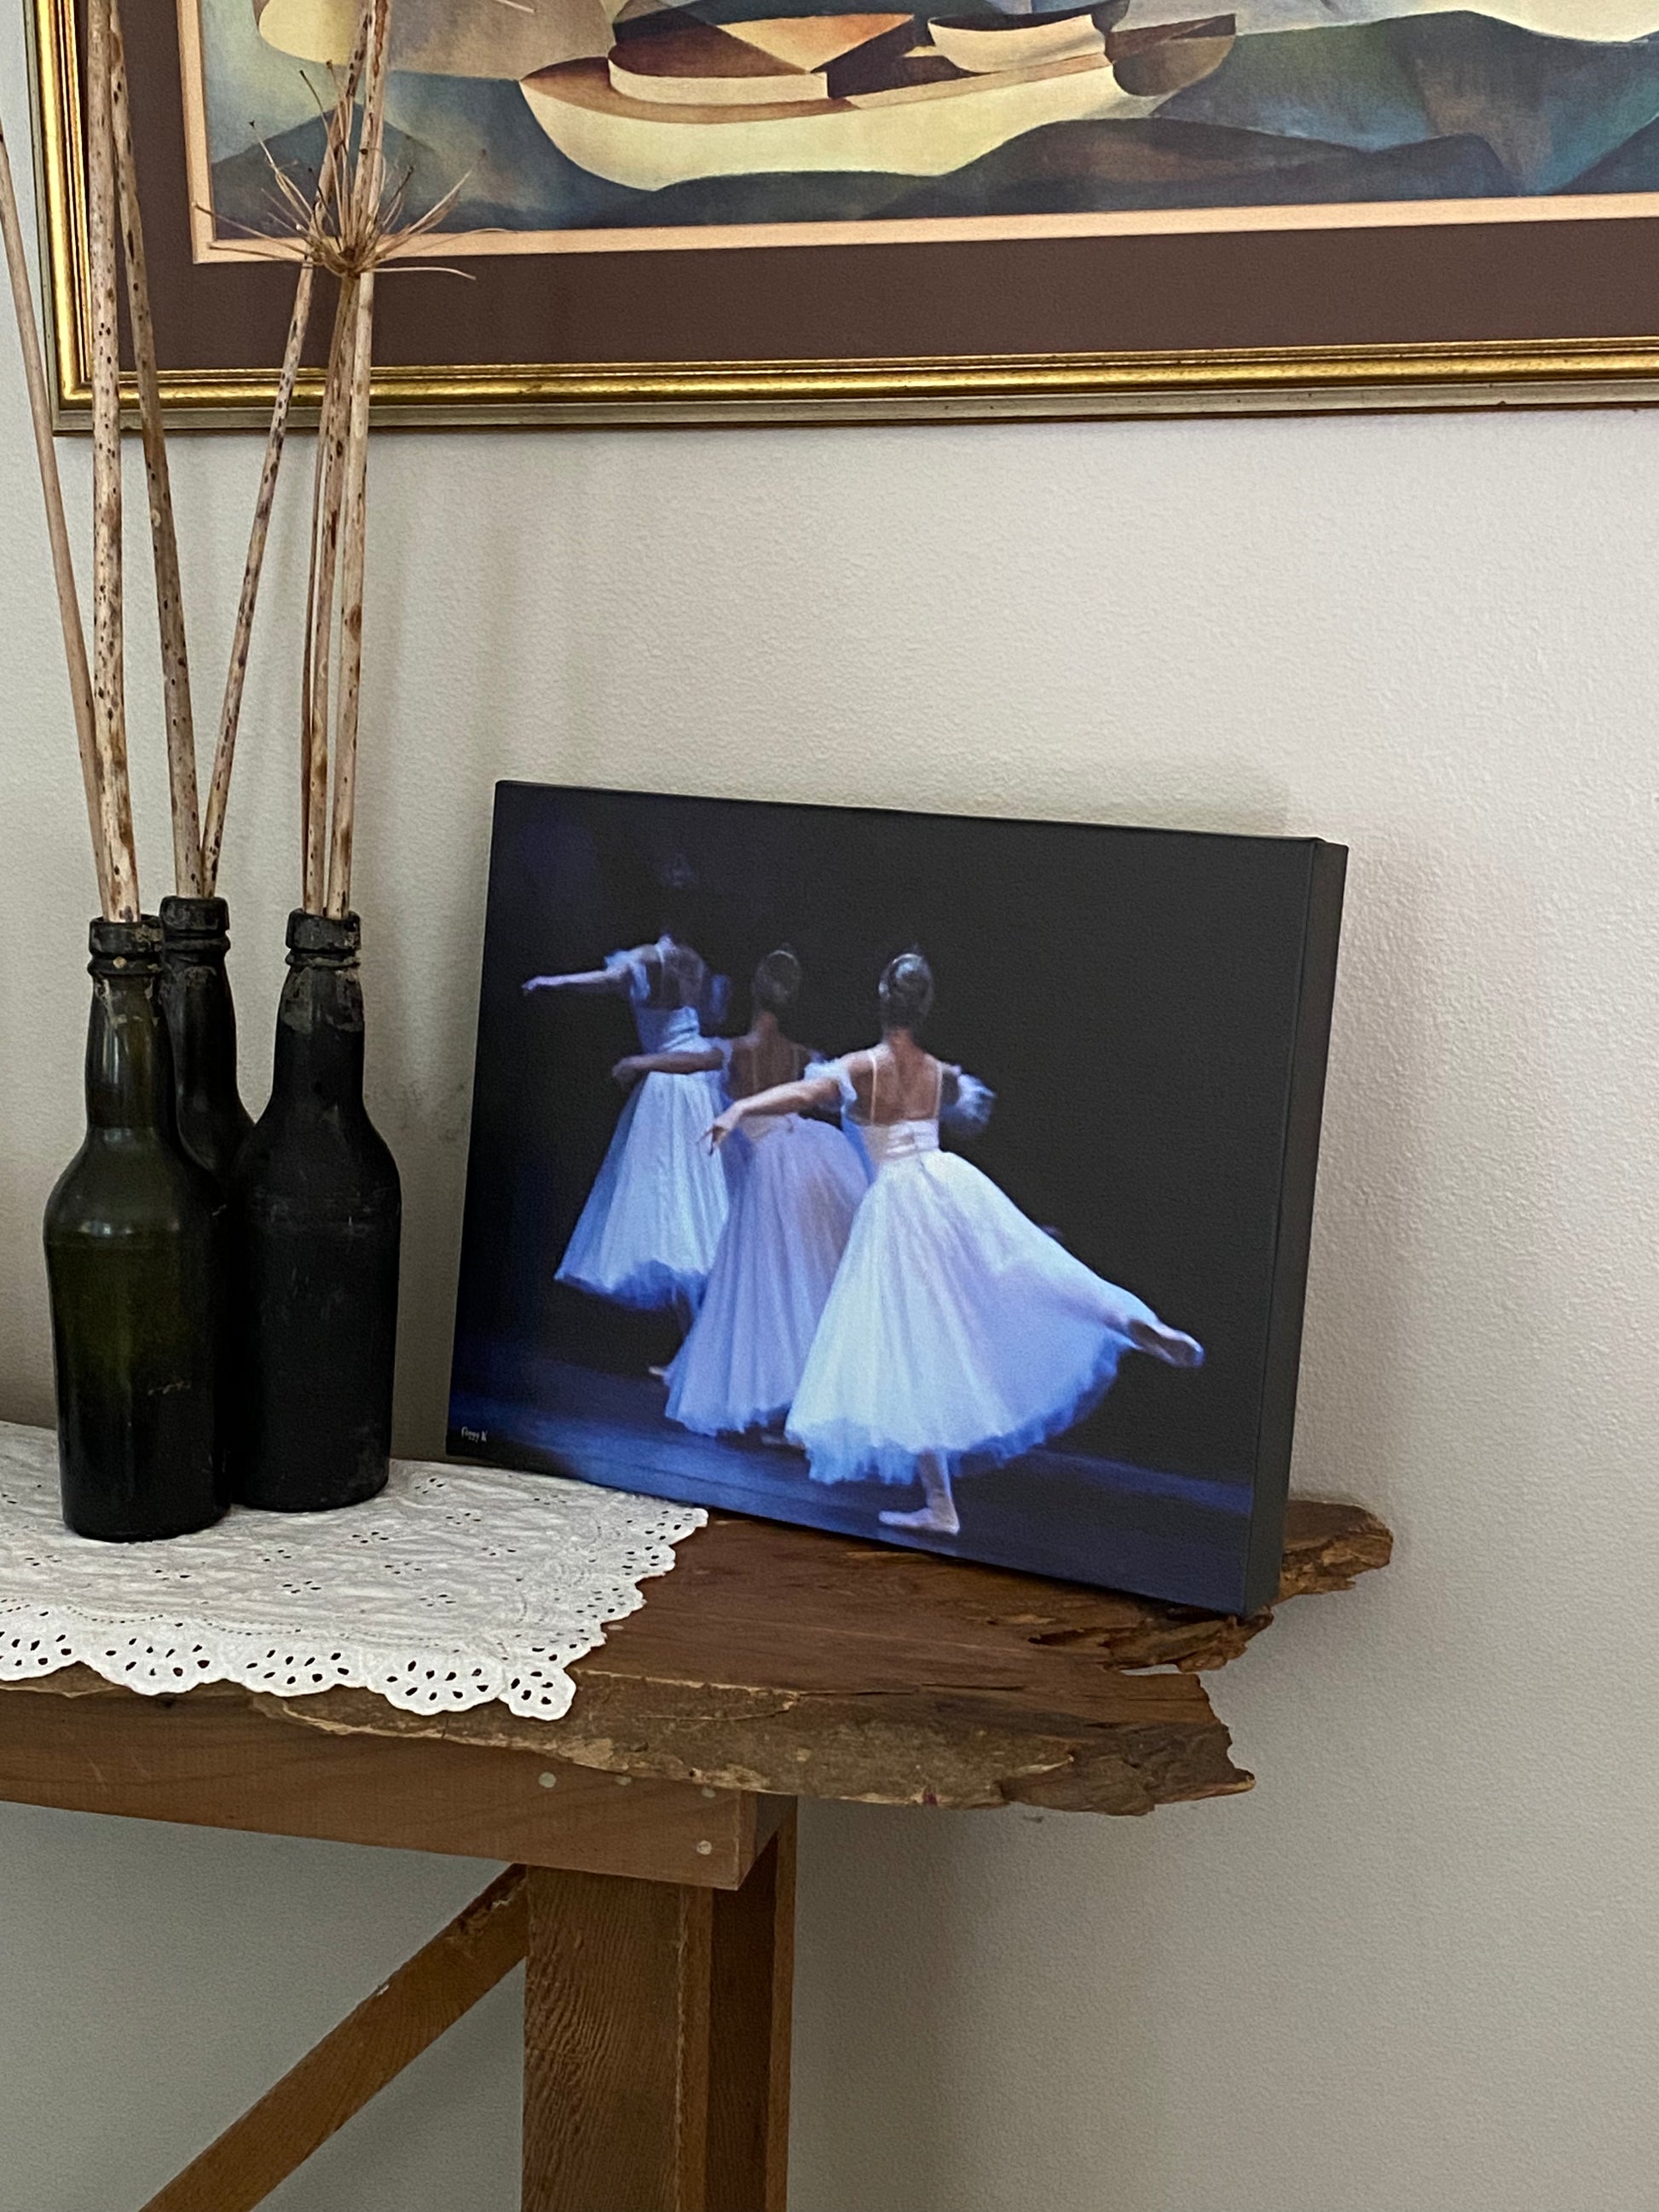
(308, 673)
(108, 689)
(355, 531)
(331, 436)
(63, 560)
(369, 185)
(164, 539)
(224, 753)
(298, 324)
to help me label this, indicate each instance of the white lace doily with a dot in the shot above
(455, 1587)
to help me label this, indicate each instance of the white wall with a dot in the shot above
(1416, 1970)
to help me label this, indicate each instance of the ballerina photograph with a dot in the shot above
(979, 1226)
(956, 1333)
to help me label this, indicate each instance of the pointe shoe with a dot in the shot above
(927, 1522)
(1166, 1344)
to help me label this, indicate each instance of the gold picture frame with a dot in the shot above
(1524, 366)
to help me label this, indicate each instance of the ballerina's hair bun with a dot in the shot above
(778, 981)
(906, 991)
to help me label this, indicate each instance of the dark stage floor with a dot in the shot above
(1086, 1520)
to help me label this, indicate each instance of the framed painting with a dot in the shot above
(941, 1181)
(710, 210)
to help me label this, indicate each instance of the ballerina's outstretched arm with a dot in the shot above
(589, 979)
(636, 1064)
(802, 1097)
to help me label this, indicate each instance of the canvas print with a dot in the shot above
(936, 1179)
(597, 125)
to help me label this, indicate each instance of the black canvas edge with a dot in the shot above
(1304, 1112)
(456, 1444)
(884, 807)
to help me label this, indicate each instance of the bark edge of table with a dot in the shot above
(777, 1662)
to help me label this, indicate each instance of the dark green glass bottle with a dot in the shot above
(134, 1235)
(201, 1018)
(317, 1215)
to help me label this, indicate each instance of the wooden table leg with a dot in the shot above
(657, 2041)
(750, 2017)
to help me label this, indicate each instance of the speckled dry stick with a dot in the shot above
(319, 613)
(108, 686)
(213, 828)
(63, 560)
(164, 540)
(369, 185)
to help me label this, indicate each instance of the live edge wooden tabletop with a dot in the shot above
(778, 1661)
(656, 1917)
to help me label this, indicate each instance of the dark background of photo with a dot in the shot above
(1132, 996)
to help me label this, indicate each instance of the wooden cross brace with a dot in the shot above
(656, 2044)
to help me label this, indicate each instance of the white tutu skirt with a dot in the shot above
(956, 1327)
(797, 1190)
(648, 1233)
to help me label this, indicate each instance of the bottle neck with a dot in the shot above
(196, 995)
(319, 1061)
(129, 1064)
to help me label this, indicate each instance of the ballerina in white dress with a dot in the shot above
(797, 1185)
(957, 1333)
(648, 1234)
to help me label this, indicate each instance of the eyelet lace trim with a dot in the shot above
(456, 1587)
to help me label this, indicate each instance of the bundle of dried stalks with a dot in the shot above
(164, 543)
(108, 660)
(114, 901)
(312, 237)
(349, 229)
(114, 231)
(354, 225)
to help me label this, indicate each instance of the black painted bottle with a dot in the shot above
(134, 1262)
(201, 1018)
(317, 1216)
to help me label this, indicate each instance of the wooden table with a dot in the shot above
(651, 1832)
